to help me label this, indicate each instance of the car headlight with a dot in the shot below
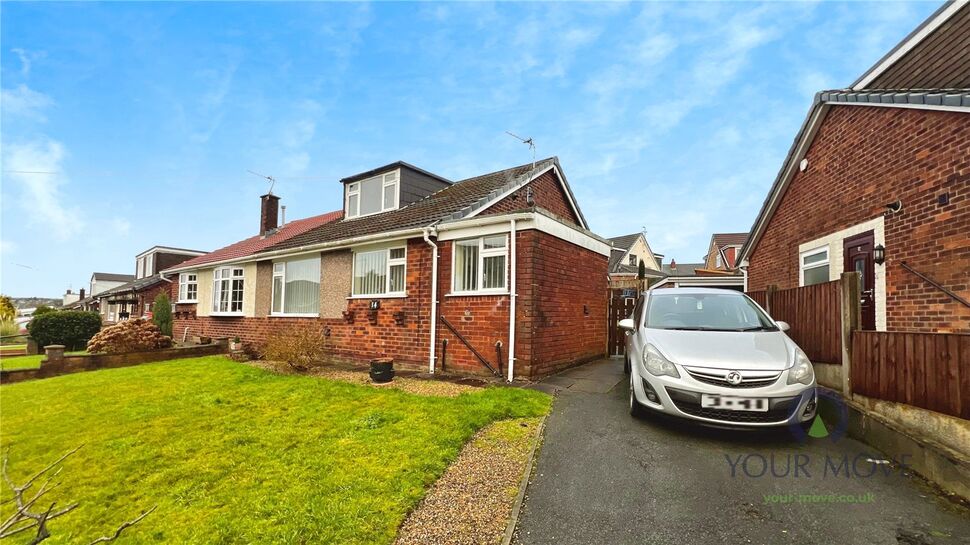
(802, 372)
(656, 364)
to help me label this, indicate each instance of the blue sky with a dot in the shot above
(143, 119)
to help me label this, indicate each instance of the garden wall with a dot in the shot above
(92, 362)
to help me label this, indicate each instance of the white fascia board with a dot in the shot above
(937, 107)
(490, 225)
(908, 44)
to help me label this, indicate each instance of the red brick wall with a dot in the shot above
(547, 193)
(555, 280)
(360, 340)
(563, 295)
(862, 159)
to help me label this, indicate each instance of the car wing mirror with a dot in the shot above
(627, 323)
(782, 325)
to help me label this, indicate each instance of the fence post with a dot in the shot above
(769, 295)
(851, 312)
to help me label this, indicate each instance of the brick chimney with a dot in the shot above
(81, 293)
(673, 264)
(269, 213)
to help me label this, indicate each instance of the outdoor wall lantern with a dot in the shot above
(879, 254)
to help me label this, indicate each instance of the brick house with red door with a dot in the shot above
(878, 181)
(493, 274)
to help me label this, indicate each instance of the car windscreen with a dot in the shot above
(705, 312)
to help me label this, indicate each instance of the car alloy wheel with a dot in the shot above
(636, 410)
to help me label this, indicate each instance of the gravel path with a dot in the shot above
(411, 385)
(472, 502)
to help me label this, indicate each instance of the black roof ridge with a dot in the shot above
(398, 163)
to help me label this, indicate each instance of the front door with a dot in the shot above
(858, 258)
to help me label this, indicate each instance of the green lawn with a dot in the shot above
(26, 362)
(235, 454)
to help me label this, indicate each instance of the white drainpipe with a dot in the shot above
(434, 296)
(512, 294)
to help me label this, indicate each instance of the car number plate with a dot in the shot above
(731, 403)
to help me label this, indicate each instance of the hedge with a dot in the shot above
(72, 328)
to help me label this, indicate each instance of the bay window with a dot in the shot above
(380, 272)
(479, 265)
(227, 290)
(188, 288)
(296, 287)
(373, 195)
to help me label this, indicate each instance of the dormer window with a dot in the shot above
(373, 195)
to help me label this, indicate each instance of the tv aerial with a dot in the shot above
(531, 144)
(272, 180)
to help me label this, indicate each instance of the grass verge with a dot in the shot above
(235, 454)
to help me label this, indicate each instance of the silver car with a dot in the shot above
(715, 356)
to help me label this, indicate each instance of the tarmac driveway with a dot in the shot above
(603, 477)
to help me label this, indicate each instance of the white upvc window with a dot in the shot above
(149, 264)
(140, 267)
(480, 265)
(634, 260)
(296, 287)
(380, 272)
(373, 195)
(813, 266)
(188, 288)
(227, 290)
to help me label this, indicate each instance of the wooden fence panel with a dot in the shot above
(928, 370)
(815, 316)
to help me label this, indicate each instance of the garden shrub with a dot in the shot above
(162, 313)
(129, 336)
(43, 309)
(299, 347)
(72, 328)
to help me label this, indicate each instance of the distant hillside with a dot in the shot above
(34, 302)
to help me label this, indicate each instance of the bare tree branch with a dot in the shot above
(132, 522)
(23, 519)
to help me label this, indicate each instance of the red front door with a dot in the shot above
(857, 253)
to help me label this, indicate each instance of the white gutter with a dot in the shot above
(434, 296)
(512, 296)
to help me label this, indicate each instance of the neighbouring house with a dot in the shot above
(497, 273)
(100, 282)
(723, 251)
(719, 269)
(878, 182)
(625, 257)
(70, 297)
(134, 299)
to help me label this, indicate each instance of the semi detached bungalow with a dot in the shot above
(494, 274)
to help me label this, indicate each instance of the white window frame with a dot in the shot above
(633, 260)
(388, 294)
(140, 267)
(809, 253)
(184, 283)
(353, 188)
(149, 264)
(282, 276)
(482, 254)
(217, 278)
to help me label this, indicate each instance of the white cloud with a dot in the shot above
(35, 168)
(8, 247)
(25, 102)
(27, 58)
